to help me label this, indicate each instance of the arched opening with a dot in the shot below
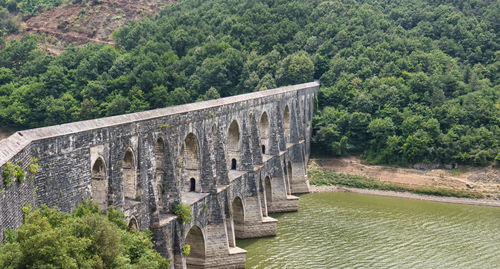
(263, 202)
(287, 178)
(290, 175)
(189, 162)
(129, 175)
(132, 225)
(286, 123)
(264, 131)
(99, 184)
(160, 192)
(233, 144)
(238, 217)
(159, 159)
(192, 184)
(233, 164)
(195, 239)
(267, 186)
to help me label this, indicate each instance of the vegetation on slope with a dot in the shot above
(83, 239)
(402, 82)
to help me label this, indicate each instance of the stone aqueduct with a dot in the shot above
(233, 160)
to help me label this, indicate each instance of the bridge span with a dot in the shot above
(233, 160)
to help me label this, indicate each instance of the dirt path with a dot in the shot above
(482, 179)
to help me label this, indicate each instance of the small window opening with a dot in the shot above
(263, 149)
(233, 164)
(192, 186)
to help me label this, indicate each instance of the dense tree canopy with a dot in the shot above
(402, 81)
(83, 239)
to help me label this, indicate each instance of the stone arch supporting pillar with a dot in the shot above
(256, 147)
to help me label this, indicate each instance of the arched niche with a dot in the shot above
(189, 163)
(233, 145)
(268, 189)
(238, 212)
(132, 225)
(290, 175)
(196, 240)
(287, 178)
(129, 175)
(286, 123)
(159, 155)
(99, 183)
(159, 167)
(264, 132)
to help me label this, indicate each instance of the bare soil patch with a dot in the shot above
(93, 21)
(482, 179)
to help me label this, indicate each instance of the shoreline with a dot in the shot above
(407, 195)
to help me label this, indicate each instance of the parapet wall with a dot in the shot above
(146, 162)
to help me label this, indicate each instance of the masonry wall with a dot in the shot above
(67, 153)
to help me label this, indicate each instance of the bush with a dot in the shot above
(182, 211)
(8, 174)
(83, 239)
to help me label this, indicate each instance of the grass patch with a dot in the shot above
(323, 177)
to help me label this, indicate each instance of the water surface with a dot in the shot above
(347, 230)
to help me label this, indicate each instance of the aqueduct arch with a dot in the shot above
(238, 212)
(99, 184)
(233, 145)
(129, 175)
(290, 174)
(160, 167)
(196, 240)
(189, 163)
(132, 224)
(268, 190)
(264, 132)
(286, 124)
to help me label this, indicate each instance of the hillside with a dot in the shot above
(405, 82)
(85, 22)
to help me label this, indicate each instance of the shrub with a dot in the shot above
(182, 211)
(8, 174)
(186, 249)
(83, 239)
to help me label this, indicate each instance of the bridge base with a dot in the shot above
(291, 204)
(263, 229)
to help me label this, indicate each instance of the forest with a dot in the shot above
(402, 82)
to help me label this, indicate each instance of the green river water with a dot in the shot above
(347, 230)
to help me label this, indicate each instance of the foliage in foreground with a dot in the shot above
(83, 239)
(321, 177)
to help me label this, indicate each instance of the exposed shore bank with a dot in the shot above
(408, 195)
(468, 185)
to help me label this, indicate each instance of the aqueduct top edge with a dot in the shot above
(10, 146)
